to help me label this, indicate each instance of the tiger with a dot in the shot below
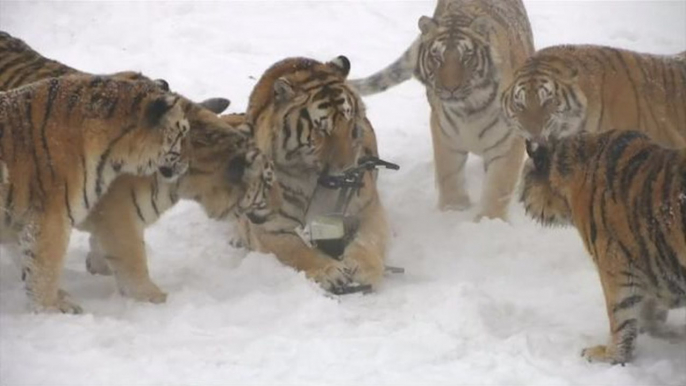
(62, 142)
(224, 166)
(626, 195)
(20, 64)
(310, 123)
(562, 90)
(465, 56)
(228, 176)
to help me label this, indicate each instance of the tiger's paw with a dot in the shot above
(460, 203)
(144, 292)
(603, 354)
(333, 276)
(97, 265)
(62, 305)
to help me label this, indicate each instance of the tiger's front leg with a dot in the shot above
(623, 310)
(503, 166)
(119, 242)
(292, 251)
(449, 164)
(43, 244)
(365, 254)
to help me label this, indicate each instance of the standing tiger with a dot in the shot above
(311, 123)
(563, 90)
(627, 198)
(465, 56)
(224, 165)
(62, 142)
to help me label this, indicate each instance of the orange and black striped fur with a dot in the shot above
(227, 176)
(465, 56)
(626, 196)
(20, 64)
(223, 166)
(62, 142)
(563, 90)
(309, 121)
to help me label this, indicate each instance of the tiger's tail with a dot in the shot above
(397, 72)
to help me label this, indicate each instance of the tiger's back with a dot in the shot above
(562, 90)
(626, 196)
(20, 64)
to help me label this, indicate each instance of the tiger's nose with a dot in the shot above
(166, 171)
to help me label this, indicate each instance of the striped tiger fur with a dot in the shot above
(20, 64)
(562, 90)
(63, 141)
(309, 121)
(626, 196)
(224, 164)
(465, 56)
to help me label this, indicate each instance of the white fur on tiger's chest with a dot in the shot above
(474, 133)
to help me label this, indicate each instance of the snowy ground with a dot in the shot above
(489, 303)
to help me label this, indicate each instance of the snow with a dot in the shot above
(488, 303)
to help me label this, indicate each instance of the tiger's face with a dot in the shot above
(456, 63)
(543, 105)
(321, 117)
(174, 128)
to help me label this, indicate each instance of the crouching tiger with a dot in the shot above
(310, 122)
(627, 198)
(62, 142)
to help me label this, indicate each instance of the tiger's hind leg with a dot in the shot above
(121, 243)
(43, 244)
(503, 167)
(653, 322)
(449, 164)
(623, 309)
(96, 261)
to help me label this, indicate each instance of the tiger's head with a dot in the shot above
(308, 116)
(456, 61)
(544, 100)
(555, 173)
(224, 165)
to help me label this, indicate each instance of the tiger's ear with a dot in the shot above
(538, 151)
(342, 64)
(215, 105)
(161, 83)
(283, 91)
(158, 107)
(427, 25)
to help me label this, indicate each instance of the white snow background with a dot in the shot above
(488, 303)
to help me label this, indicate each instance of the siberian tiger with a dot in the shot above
(223, 165)
(227, 177)
(627, 198)
(465, 56)
(62, 142)
(20, 64)
(311, 123)
(563, 90)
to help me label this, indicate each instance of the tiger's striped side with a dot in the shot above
(626, 196)
(465, 56)
(563, 90)
(64, 140)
